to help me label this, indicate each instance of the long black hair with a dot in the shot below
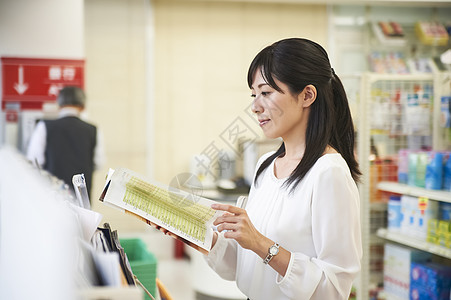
(298, 62)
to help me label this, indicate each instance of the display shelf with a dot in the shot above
(375, 239)
(386, 125)
(374, 77)
(378, 206)
(405, 189)
(385, 122)
(414, 242)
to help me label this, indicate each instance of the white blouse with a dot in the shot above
(319, 223)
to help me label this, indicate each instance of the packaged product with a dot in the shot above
(417, 112)
(416, 214)
(431, 33)
(432, 235)
(397, 262)
(428, 210)
(430, 281)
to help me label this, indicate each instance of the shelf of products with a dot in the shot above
(397, 87)
(404, 189)
(414, 242)
(408, 48)
(399, 114)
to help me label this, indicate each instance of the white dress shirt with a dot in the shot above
(319, 223)
(38, 141)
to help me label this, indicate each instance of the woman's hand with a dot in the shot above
(240, 228)
(166, 232)
(238, 225)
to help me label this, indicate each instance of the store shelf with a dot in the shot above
(399, 77)
(414, 242)
(378, 206)
(405, 189)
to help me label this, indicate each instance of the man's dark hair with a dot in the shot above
(71, 96)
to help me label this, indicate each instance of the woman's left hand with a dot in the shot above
(238, 225)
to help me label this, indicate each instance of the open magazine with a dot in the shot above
(187, 216)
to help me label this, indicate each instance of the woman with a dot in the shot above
(299, 237)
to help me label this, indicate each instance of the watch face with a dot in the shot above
(273, 250)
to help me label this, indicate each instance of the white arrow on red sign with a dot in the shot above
(21, 87)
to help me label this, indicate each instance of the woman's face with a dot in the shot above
(279, 114)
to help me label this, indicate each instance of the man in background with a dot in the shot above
(68, 145)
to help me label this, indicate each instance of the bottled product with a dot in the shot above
(412, 168)
(394, 213)
(447, 174)
(403, 165)
(434, 171)
(445, 211)
(421, 169)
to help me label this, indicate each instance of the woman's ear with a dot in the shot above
(308, 95)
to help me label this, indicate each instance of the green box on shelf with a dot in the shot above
(142, 262)
(444, 226)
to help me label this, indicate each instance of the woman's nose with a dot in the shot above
(255, 107)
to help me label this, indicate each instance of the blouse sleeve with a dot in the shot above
(335, 211)
(223, 257)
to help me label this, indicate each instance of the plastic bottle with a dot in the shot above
(403, 165)
(394, 213)
(447, 174)
(434, 171)
(421, 169)
(445, 211)
(412, 168)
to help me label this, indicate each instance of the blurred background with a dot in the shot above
(163, 79)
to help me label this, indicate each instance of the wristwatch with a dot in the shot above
(272, 251)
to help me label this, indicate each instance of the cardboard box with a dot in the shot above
(430, 281)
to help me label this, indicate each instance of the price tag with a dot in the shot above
(422, 204)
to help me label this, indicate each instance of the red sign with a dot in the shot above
(33, 81)
(12, 116)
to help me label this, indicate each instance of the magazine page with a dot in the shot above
(186, 215)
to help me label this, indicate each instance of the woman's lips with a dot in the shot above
(263, 122)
